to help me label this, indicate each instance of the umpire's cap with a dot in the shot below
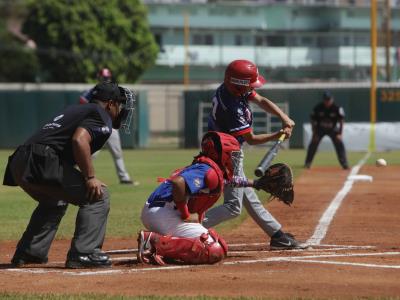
(327, 95)
(106, 91)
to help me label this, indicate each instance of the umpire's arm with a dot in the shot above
(82, 154)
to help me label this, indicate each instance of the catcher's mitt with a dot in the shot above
(278, 181)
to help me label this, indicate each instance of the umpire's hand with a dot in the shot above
(94, 189)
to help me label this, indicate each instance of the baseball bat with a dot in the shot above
(269, 156)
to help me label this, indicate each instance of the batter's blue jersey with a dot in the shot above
(195, 179)
(231, 114)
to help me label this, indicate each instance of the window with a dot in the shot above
(275, 40)
(238, 40)
(202, 39)
(259, 40)
(158, 39)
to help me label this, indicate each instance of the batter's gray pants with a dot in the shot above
(91, 220)
(114, 146)
(234, 198)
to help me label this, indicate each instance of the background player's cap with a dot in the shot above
(106, 91)
(104, 75)
(327, 95)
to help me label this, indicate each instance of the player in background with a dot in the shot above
(114, 142)
(231, 114)
(327, 118)
(174, 211)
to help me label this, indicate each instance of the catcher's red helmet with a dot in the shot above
(241, 76)
(220, 147)
(104, 74)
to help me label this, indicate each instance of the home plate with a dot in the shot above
(361, 178)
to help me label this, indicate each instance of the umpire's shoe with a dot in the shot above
(21, 259)
(97, 259)
(285, 241)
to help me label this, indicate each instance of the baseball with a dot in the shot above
(380, 162)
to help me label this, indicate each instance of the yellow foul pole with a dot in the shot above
(372, 145)
(186, 38)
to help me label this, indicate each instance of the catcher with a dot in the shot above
(174, 211)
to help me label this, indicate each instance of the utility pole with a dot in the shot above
(186, 38)
(373, 76)
(388, 39)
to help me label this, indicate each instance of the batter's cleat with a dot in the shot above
(285, 242)
(21, 259)
(97, 259)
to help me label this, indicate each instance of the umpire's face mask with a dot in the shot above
(124, 118)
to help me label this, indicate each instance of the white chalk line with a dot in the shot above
(329, 262)
(307, 258)
(301, 250)
(327, 217)
(134, 250)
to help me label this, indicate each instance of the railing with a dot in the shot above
(272, 56)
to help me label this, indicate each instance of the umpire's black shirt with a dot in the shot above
(57, 135)
(58, 132)
(327, 118)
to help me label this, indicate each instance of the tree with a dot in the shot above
(76, 38)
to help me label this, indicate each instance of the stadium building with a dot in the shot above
(290, 40)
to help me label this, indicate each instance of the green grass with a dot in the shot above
(145, 166)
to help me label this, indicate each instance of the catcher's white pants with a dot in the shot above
(167, 221)
(235, 198)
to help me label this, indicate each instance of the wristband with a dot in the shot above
(238, 182)
(183, 209)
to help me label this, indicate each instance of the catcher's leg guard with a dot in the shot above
(153, 247)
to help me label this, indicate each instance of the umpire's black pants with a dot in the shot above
(337, 142)
(38, 170)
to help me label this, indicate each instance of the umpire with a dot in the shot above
(327, 118)
(45, 168)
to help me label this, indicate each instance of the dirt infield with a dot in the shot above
(358, 254)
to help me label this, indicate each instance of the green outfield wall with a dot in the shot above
(301, 100)
(22, 112)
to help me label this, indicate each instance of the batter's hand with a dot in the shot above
(193, 218)
(94, 189)
(287, 127)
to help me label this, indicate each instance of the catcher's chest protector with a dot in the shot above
(201, 202)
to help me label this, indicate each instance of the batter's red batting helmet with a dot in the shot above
(242, 75)
(220, 147)
(104, 74)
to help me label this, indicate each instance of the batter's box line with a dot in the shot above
(134, 250)
(342, 263)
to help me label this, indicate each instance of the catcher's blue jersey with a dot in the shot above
(196, 177)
